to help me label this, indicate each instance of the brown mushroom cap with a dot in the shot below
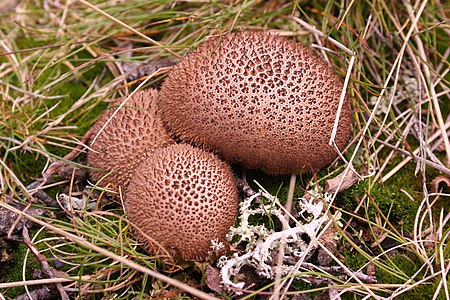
(133, 132)
(183, 197)
(261, 100)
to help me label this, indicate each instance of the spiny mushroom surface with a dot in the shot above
(133, 132)
(184, 198)
(261, 100)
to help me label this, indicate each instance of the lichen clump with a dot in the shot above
(257, 99)
(262, 245)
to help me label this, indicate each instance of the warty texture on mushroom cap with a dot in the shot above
(133, 132)
(257, 99)
(184, 198)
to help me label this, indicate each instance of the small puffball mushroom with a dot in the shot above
(184, 198)
(258, 99)
(133, 132)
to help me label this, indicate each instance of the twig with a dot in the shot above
(44, 264)
(43, 293)
(49, 201)
(243, 185)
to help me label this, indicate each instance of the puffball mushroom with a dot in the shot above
(133, 132)
(261, 100)
(184, 198)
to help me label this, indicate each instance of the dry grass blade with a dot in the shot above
(288, 206)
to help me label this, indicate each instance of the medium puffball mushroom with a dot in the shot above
(133, 132)
(258, 99)
(184, 198)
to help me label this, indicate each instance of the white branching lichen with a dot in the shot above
(262, 244)
(216, 245)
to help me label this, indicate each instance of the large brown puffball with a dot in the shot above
(134, 132)
(261, 100)
(184, 198)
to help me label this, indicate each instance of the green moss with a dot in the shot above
(16, 268)
(391, 197)
(354, 260)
